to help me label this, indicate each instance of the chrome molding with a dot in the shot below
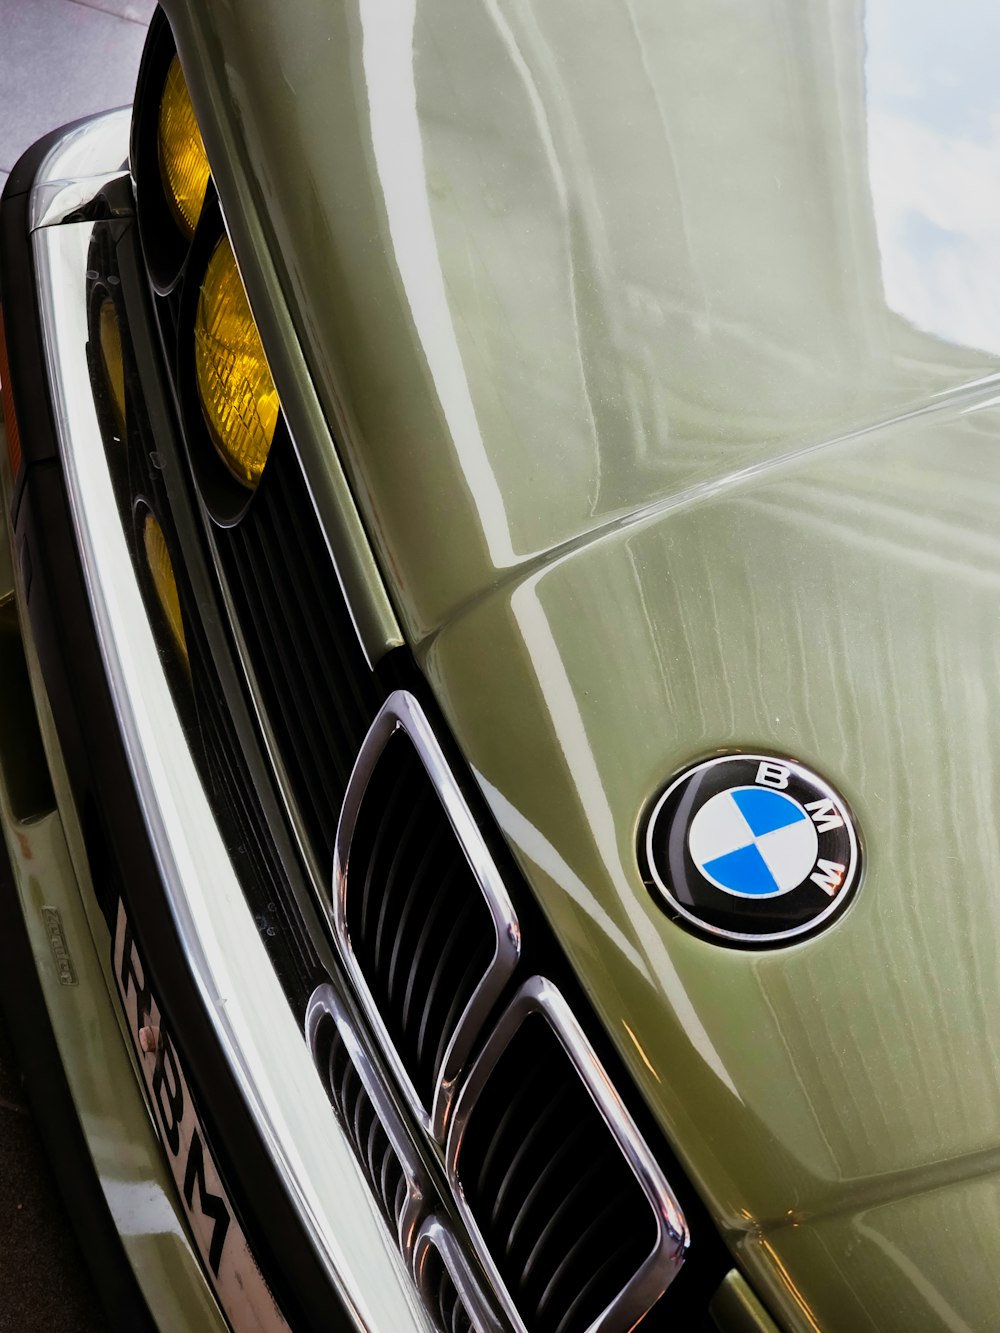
(402, 712)
(251, 1020)
(77, 168)
(325, 1003)
(437, 1235)
(538, 996)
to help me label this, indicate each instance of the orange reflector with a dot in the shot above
(111, 351)
(7, 403)
(161, 571)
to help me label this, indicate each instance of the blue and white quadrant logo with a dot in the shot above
(751, 849)
(753, 842)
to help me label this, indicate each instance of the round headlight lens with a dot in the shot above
(161, 571)
(238, 397)
(183, 164)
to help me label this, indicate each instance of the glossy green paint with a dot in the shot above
(736, 1309)
(806, 611)
(661, 343)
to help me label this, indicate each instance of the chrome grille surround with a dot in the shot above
(651, 1279)
(402, 713)
(437, 1236)
(326, 1005)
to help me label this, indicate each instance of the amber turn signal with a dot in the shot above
(111, 353)
(183, 164)
(238, 397)
(161, 571)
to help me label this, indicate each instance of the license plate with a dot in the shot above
(229, 1264)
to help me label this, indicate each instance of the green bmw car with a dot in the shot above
(498, 630)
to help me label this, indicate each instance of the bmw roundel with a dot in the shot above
(752, 849)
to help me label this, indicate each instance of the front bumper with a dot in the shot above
(150, 836)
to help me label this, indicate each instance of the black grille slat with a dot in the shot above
(597, 1291)
(423, 950)
(374, 874)
(562, 1265)
(442, 1298)
(296, 657)
(528, 1246)
(397, 888)
(420, 929)
(589, 1266)
(315, 685)
(301, 529)
(271, 671)
(257, 861)
(319, 772)
(293, 516)
(386, 1178)
(503, 1139)
(450, 978)
(473, 970)
(402, 961)
(524, 1160)
(359, 1118)
(335, 741)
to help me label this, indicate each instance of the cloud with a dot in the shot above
(937, 212)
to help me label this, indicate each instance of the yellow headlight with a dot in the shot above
(111, 351)
(183, 164)
(238, 396)
(161, 571)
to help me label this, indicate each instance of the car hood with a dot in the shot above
(662, 349)
(841, 609)
(548, 272)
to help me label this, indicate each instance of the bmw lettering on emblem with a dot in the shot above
(751, 849)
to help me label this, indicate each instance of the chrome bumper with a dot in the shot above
(250, 1017)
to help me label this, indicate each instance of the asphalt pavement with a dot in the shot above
(62, 59)
(59, 60)
(44, 1284)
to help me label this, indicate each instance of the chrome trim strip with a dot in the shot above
(325, 1003)
(73, 201)
(78, 166)
(252, 1021)
(436, 1234)
(537, 995)
(402, 712)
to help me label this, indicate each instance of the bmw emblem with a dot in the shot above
(752, 850)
